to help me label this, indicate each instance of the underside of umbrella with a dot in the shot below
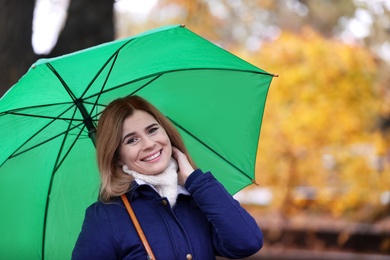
(48, 173)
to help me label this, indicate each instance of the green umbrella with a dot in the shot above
(48, 173)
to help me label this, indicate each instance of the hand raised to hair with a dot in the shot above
(185, 168)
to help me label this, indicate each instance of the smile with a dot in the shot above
(152, 157)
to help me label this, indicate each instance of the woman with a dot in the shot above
(184, 213)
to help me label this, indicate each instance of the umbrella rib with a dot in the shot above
(41, 116)
(227, 69)
(154, 77)
(58, 163)
(105, 81)
(14, 154)
(114, 55)
(79, 104)
(46, 140)
(72, 96)
(56, 167)
(96, 103)
(135, 91)
(208, 147)
(146, 84)
(159, 74)
(32, 107)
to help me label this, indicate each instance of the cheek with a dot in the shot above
(126, 154)
(169, 145)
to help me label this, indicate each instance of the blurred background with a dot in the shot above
(322, 189)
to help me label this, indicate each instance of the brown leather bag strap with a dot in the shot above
(138, 228)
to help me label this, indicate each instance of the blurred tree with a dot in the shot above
(250, 22)
(89, 23)
(319, 117)
(16, 53)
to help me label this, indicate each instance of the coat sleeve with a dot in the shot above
(95, 240)
(235, 232)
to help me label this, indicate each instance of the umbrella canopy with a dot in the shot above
(48, 173)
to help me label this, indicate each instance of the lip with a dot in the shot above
(152, 157)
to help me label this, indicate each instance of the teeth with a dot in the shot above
(152, 157)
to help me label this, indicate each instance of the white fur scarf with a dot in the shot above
(165, 182)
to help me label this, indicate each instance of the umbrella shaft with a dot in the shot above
(87, 120)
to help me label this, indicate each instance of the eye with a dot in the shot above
(131, 140)
(153, 130)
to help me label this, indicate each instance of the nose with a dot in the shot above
(148, 143)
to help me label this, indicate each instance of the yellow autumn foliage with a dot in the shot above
(318, 126)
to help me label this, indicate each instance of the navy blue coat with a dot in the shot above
(207, 223)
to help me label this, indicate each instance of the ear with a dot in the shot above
(120, 163)
(118, 160)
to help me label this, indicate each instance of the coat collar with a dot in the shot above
(138, 186)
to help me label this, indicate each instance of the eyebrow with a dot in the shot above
(133, 133)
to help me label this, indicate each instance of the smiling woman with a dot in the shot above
(145, 146)
(138, 132)
(142, 159)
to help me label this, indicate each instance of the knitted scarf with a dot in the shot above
(165, 183)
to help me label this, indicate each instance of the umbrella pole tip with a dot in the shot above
(182, 25)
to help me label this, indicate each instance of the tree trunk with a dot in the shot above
(89, 23)
(16, 52)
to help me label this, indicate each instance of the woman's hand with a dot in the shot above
(185, 168)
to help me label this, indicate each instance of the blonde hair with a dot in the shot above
(108, 137)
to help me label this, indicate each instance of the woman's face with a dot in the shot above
(145, 146)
